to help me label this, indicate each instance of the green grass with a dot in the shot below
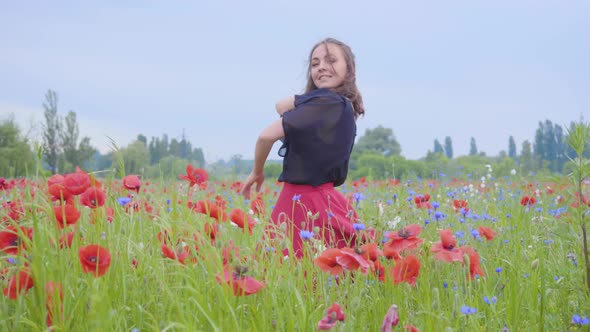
(537, 289)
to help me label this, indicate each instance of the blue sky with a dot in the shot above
(215, 68)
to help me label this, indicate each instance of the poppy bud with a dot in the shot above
(535, 264)
(435, 298)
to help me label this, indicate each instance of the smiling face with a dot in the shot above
(328, 67)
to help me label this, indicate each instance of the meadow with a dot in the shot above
(462, 252)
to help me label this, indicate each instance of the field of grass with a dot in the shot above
(173, 260)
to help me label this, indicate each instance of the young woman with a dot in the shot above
(318, 128)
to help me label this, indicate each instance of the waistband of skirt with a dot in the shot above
(302, 188)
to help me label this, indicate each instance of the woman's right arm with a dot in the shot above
(264, 144)
(285, 105)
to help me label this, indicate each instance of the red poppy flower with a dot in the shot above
(411, 328)
(474, 263)
(446, 250)
(58, 191)
(92, 197)
(4, 185)
(241, 284)
(180, 254)
(211, 230)
(132, 182)
(371, 251)
(333, 316)
(211, 209)
(195, 176)
(528, 201)
(15, 210)
(406, 238)
(19, 284)
(328, 262)
(238, 217)
(236, 186)
(486, 232)
(422, 201)
(352, 261)
(110, 214)
(77, 183)
(257, 205)
(459, 204)
(11, 241)
(391, 319)
(95, 259)
(66, 215)
(65, 241)
(407, 270)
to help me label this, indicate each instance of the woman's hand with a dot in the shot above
(252, 179)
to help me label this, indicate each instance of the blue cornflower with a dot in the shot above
(123, 200)
(460, 234)
(12, 260)
(358, 197)
(168, 201)
(442, 175)
(474, 233)
(498, 269)
(296, 197)
(435, 205)
(426, 221)
(445, 284)
(388, 202)
(306, 235)
(330, 214)
(508, 215)
(548, 241)
(577, 320)
(487, 300)
(395, 196)
(468, 310)
(439, 215)
(463, 211)
(358, 227)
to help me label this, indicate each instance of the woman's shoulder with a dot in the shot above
(317, 94)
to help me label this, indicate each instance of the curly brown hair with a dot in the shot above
(348, 87)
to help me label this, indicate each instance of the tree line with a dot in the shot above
(61, 149)
(377, 153)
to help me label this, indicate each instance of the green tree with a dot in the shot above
(472, 147)
(198, 157)
(380, 140)
(51, 131)
(142, 139)
(136, 158)
(17, 157)
(438, 148)
(69, 141)
(449, 147)
(526, 158)
(511, 148)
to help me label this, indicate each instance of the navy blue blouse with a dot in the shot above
(319, 136)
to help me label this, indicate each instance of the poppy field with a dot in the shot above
(458, 253)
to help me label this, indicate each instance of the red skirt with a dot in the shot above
(322, 210)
